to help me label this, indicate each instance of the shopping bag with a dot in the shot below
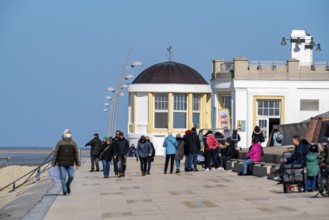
(53, 173)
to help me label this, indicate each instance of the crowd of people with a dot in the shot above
(212, 154)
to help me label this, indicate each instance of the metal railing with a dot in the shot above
(4, 161)
(227, 66)
(35, 173)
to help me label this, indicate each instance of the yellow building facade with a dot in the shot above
(167, 98)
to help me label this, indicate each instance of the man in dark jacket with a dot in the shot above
(121, 148)
(66, 155)
(115, 161)
(95, 144)
(193, 144)
(186, 150)
(297, 158)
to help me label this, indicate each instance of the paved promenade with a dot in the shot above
(196, 195)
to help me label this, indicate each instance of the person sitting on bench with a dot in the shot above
(296, 160)
(253, 156)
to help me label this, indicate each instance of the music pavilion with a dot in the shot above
(167, 97)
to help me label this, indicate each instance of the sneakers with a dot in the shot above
(91, 170)
(206, 170)
(277, 178)
(220, 168)
(212, 169)
(64, 193)
(178, 171)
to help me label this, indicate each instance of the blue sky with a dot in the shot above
(58, 57)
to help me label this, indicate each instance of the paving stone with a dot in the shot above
(194, 195)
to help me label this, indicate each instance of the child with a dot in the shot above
(312, 167)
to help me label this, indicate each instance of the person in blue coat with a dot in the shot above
(170, 143)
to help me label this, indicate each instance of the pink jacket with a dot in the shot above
(255, 152)
(212, 142)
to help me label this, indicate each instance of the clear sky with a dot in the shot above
(58, 57)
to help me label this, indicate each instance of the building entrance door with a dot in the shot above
(266, 125)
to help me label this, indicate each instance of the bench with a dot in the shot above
(257, 169)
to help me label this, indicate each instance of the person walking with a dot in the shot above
(107, 153)
(115, 161)
(65, 156)
(144, 150)
(150, 159)
(193, 143)
(170, 144)
(186, 151)
(121, 148)
(254, 155)
(179, 151)
(95, 145)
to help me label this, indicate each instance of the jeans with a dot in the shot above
(246, 163)
(177, 164)
(172, 158)
(193, 161)
(106, 167)
(115, 166)
(94, 161)
(121, 164)
(70, 172)
(310, 183)
(186, 164)
(143, 161)
(149, 163)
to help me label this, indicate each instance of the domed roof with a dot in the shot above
(170, 72)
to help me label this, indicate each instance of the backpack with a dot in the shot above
(279, 138)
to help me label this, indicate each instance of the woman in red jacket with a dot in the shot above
(211, 146)
(254, 155)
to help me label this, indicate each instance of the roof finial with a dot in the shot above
(170, 53)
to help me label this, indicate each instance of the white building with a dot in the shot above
(270, 93)
(167, 97)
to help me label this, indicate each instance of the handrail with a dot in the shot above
(37, 169)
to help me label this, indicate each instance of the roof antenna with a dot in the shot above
(170, 53)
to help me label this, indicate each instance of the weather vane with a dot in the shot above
(170, 53)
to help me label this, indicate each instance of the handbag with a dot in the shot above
(54, 174)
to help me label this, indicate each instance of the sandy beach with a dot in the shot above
(11, 173)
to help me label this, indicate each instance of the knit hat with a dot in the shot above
(147, 138)
(67, 131)
(187, 132)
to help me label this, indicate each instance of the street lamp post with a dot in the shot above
(117, 93)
